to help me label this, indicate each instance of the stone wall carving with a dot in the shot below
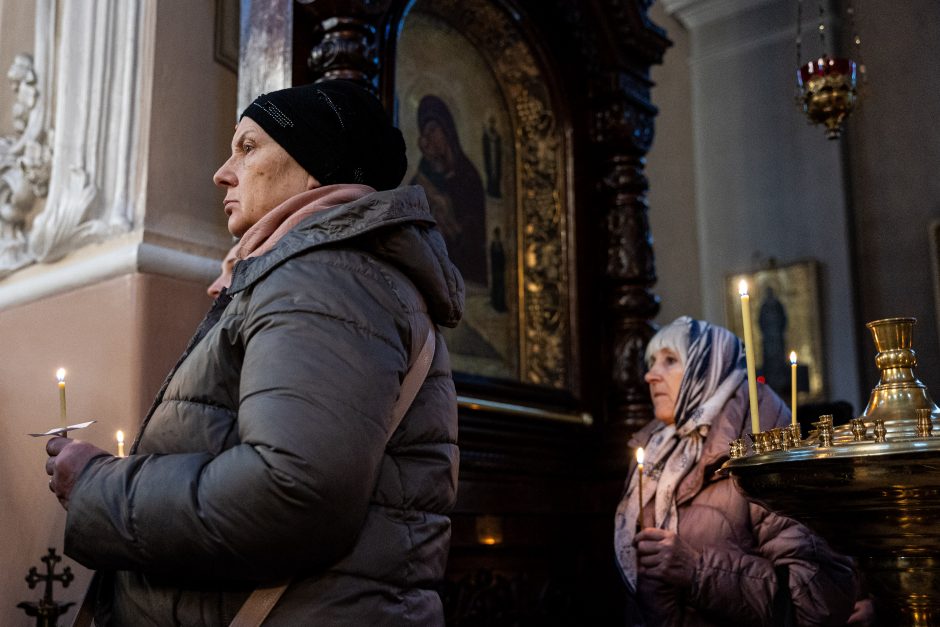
(87, 172)
(25, 155)
(24, 161)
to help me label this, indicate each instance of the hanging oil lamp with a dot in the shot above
(828, 85)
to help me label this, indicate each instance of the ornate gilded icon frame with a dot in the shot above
(542, 284)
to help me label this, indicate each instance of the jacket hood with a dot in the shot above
(394, 225)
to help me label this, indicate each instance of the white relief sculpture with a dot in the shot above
(23, 80)
(96, 148)
(24, 165)
(87, 166)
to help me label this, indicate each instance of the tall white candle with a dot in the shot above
(60, 375)
(749, 355)
(793, 387)
(120, 441)
(639, 465)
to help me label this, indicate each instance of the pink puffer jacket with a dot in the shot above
(743, 545)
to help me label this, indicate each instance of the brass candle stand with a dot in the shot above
(871, 487)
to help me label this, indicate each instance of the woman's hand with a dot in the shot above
(863, 613)
(663, 555)
(67, 460)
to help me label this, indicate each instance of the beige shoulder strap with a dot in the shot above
(257, 607)
(413, 380)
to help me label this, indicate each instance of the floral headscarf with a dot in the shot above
(714, 368)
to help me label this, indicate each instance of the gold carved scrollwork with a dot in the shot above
(545, 313)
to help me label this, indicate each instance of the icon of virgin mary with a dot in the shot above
(454, 189)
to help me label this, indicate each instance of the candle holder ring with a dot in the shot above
(782, 435)
(824, 430)
(795, 435)
(757, 442)
(859, 429)
(769, 442)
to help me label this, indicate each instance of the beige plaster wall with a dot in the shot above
(117, 340)
(671, 172)
(192, 121)
(893, 156)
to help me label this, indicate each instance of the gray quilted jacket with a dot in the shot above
(743, 545)
(265, 456)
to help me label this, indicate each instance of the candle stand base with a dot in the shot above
(872, 493)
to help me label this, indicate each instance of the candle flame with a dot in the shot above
(120, 437)
(639, 457)
(793, 357)
(742, 287)
(60, 375)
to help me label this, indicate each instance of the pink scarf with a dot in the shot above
(266, 232)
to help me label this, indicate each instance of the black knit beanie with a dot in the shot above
(336, 130)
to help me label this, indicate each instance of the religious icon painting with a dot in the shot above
(484, 144)
(785, 318)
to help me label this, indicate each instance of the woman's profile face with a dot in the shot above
(258, 177)
(664, 378)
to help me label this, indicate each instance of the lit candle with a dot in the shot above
(60, 375)
(639, 483)
(749, 356)
(793, 386)
(120, 440)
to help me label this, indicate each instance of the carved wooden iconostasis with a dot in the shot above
(527, 123)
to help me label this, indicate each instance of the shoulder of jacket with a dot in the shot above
(350, 282)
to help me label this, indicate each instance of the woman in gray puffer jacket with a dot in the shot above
(704, 555)
(270, 454)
